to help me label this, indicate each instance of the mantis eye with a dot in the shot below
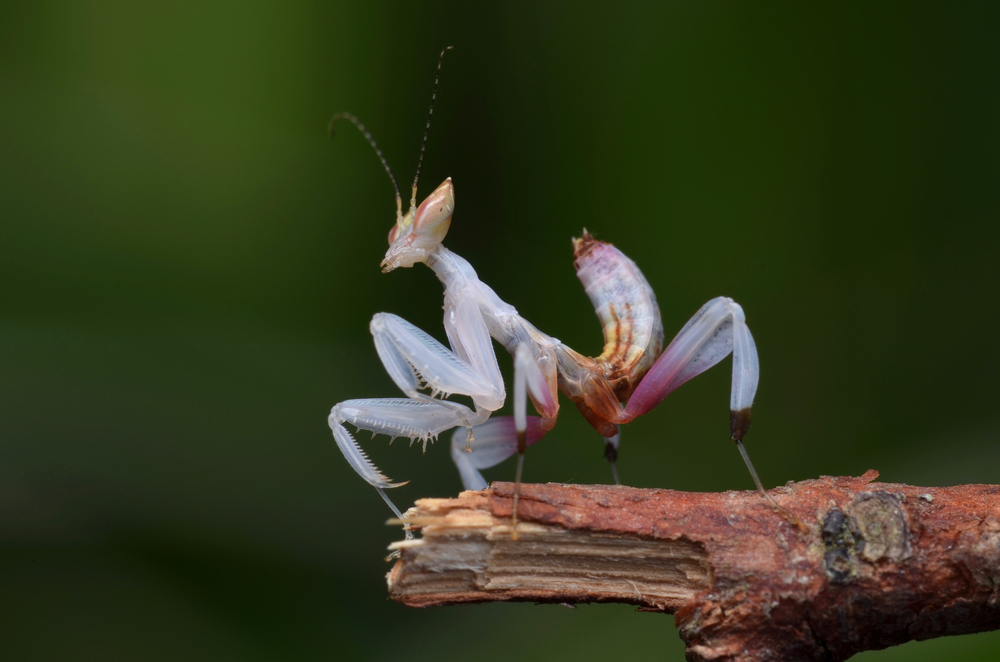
(433, 216)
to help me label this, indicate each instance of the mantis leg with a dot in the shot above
(528, 378)
(611, 453)
(495, 441)
(714, 332)
(414, 360)
(396, 417)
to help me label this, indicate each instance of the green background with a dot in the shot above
(188, 266)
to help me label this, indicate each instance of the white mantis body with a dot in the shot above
(632, 375)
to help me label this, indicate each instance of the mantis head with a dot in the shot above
(418, 233)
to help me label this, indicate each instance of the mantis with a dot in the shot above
(633, 374)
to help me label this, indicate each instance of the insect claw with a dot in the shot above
(739, 423)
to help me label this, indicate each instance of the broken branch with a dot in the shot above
(880, 563)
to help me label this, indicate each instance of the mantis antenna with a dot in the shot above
(423, 145)
(371, 141)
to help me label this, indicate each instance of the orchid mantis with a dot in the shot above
(634, 373)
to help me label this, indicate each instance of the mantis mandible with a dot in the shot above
(632, 375)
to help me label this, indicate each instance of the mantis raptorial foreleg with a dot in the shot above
(396, 417)
(414, 360)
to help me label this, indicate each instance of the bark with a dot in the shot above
(873, 564)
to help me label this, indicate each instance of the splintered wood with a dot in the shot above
(874, 564)
(466, 555)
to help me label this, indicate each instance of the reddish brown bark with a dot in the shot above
(878, 564)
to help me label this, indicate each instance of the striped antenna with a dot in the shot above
(423, 146)
(371, 141)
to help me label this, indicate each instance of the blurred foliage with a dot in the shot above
(188, 266)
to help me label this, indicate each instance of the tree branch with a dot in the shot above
(880, 563)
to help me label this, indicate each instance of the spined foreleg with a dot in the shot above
(395, 417)
(415, 361)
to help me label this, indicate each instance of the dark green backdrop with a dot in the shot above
(188, 266)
